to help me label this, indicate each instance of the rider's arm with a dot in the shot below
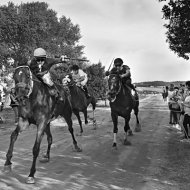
(126, 74)
(54, 61)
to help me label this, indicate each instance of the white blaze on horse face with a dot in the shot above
(20, 72)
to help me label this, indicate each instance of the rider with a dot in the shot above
(40, 66)
(80, 77)
(124, 72)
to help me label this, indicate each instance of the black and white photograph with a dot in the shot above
(94, 95)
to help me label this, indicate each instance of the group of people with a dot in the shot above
(179, 105)
(41, 64)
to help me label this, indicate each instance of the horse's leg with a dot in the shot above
(46, 157)
(70, 126)
(127, 129)
(115, 128)
(76, 112)
(94, 120)
(13, 138)
(36, 150)
(85, 116)
(136, 112)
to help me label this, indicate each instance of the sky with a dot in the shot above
(129, 29)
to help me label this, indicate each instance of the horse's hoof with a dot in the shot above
(79, 134)
(44, 159)
(7, 169)
(114, 146)
(30, 180)
(79, 149)
(126, 142)
(137, 129)
(130, 133)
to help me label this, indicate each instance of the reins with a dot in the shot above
(120, 84)
(24, 85)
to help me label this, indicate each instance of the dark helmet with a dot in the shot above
(74, 68)
(118, 62)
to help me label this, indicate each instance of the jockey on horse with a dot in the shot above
(125, 74)
(80, 77)
(40, 66)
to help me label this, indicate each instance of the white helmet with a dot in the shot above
(39, 52)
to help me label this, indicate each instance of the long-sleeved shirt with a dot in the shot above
(81, 77)
(37, 68)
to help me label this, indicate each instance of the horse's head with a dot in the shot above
(22, 78)
(114, 86)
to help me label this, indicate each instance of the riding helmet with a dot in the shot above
(39, 52)
(118, 62)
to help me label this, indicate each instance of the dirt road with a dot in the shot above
(156, 160)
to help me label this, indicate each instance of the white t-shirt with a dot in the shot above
(170, 95)
(187, 105)
(80, 74)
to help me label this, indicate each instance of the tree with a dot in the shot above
(177, 13)
(96, 80)
(30, 25)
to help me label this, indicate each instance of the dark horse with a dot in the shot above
(79, 101)
(121, 104)
(37, 106)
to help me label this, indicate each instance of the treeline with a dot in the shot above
(27, 26)
(158, 83)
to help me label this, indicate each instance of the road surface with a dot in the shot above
(156, 159)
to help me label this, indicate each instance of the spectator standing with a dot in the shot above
(175, 108)
(186, 105)
(170, 92)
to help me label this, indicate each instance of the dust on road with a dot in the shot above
(155, 160)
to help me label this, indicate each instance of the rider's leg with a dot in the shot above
(86, 91)
(53, 88)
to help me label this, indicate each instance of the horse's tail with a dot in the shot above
(93, 102)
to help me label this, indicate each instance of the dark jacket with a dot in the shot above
(49, 62)
(122, 71)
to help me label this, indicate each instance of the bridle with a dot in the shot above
(24, 85)
(120, 83)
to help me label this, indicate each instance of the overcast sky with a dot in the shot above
(130, 29)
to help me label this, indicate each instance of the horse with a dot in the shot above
(37, 106)
(121, 103)
(136, 112)
(80, 101)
